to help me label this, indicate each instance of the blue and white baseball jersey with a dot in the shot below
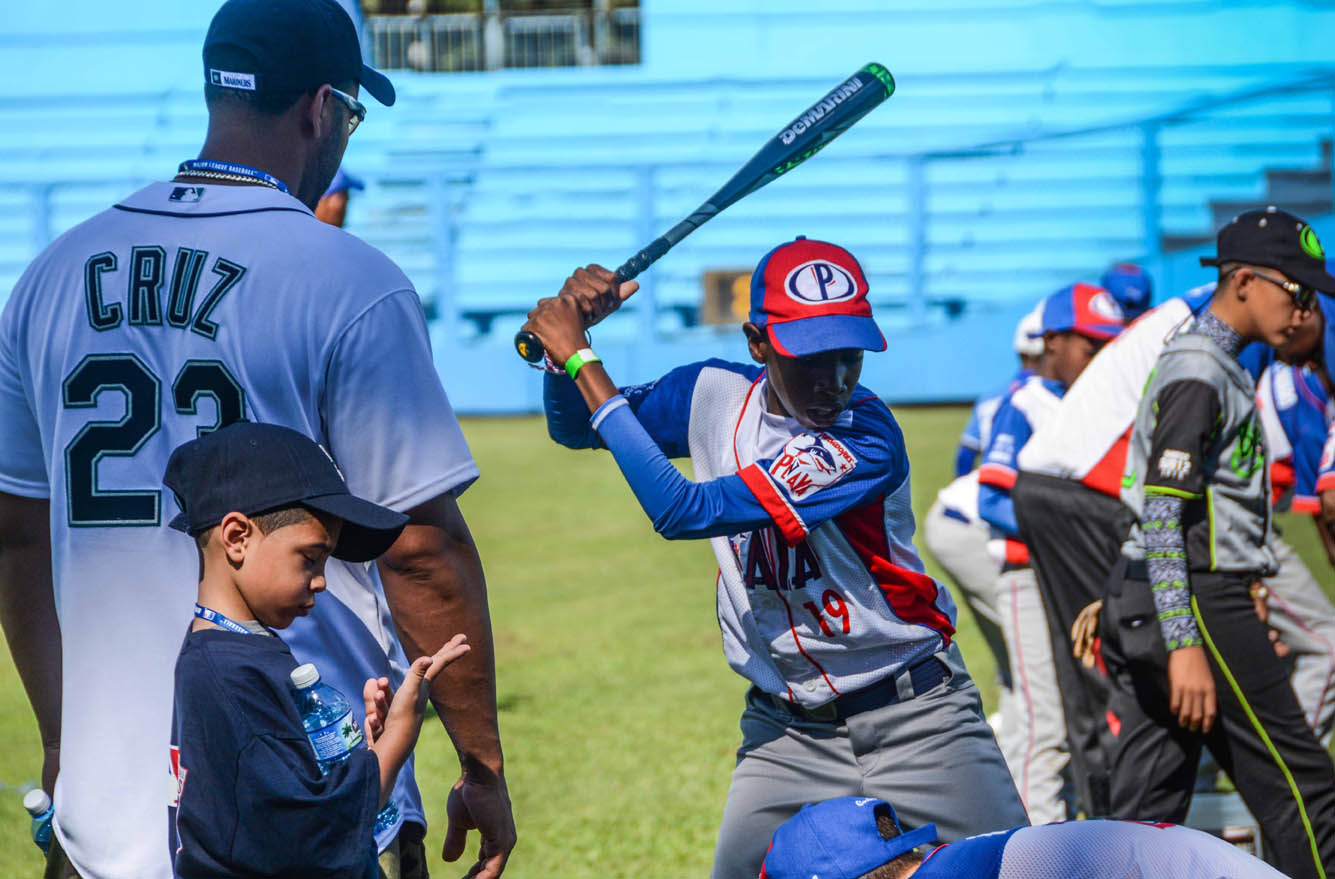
(1296, 413)
(820, 591)
(1094, 849)
(978, 430)
(1021, 413)
(181, 309)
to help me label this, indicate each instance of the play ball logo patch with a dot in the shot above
(819, 281)
(1311, 246)
(810, 462)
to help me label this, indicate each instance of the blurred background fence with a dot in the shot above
(970, 194)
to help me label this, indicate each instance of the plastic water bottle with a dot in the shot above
(332, 729)
(39, 807)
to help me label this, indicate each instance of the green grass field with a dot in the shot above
(618, 712)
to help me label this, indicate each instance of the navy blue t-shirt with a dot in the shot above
(250, 798)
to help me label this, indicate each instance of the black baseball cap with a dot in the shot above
(1277, 240)
(252, 468)
(287, 46)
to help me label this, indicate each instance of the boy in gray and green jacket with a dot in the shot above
(1189, 655)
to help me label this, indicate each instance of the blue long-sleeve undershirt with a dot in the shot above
(567, 414)
(997, 508)
(679, 508)
(965, 457)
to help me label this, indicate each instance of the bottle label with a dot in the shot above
(41, 832)
(333, 741)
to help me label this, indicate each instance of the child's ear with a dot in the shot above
(234, 533)
(756, 341)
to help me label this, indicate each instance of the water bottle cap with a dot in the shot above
(304, 676)
(36, 801)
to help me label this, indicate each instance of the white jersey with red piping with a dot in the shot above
(1086, 437)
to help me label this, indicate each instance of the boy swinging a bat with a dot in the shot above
(803, 490)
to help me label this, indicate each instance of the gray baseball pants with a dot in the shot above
(1033, 735)
(961, 549)
(932, 757)
(1305, 620)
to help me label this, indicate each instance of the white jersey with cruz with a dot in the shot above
(183, 308)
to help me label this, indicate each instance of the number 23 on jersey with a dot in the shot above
(90, 504)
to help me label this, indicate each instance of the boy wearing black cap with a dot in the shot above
(1197, 479)
(267, 507)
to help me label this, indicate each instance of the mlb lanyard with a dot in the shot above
(230, 171)
(208, 614)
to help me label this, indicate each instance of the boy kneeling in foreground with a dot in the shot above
(267, 507)
(860, 838)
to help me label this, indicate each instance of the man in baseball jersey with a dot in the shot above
(189, 305)
(1325, 483)
(1293, 403)
(861, 838)
(803, 490)
(1198, 482)
(1076, 321)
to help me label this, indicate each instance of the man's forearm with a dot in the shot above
(28, 614)
(435, 587)
(1166, 563)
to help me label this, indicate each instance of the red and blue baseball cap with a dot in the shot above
(838, 839)
(1131, 286)
(1083, 308)
(811, 296)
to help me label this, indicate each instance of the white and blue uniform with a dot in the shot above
(183, 308)
(1033, 729)
(1295, 413)
(1094, 850)
(978, 429)
(822, 599)
(957, 538)
(798, 520)
(1019, 414)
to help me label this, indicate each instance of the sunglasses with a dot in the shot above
(356, 109)
(1303, 297)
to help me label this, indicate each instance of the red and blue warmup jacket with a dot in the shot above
(1023, 411)
(820, 590)
(978, 431)
(1296, 413)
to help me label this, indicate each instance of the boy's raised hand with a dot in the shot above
(400, 712)
(394, 720)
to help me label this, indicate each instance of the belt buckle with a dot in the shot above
(826, 713)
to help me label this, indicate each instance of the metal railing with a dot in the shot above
(460, 42)
(931, 274)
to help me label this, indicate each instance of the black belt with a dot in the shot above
(908, 683)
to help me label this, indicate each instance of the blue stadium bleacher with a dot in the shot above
(488, 188)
